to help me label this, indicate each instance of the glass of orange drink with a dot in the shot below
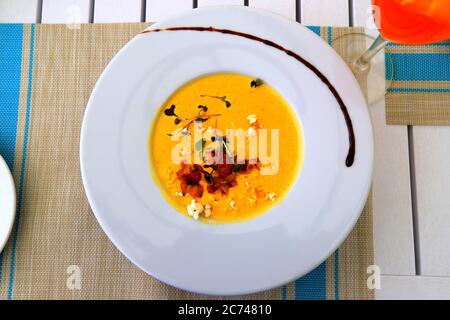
(413, 22)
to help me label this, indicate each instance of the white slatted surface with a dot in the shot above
(414, 288)
(285, 8)
(392, 206)
(393, 231)
(157, 10)
(204, 3)
(325, 12)
(65, 11)
(117, 10)
(21, 11)
(362, 12)
(432, 164)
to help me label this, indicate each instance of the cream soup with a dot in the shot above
(225, 148)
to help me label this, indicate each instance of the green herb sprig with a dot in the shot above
(256, 83)
(221, 98)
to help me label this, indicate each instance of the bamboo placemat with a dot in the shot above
(47, 75)
(420, 92)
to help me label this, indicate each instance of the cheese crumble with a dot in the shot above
(195, 209)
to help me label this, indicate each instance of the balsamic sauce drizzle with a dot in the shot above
(351, 135)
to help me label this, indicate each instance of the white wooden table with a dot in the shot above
(412, 164)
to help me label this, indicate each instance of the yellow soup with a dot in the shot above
(225, 148)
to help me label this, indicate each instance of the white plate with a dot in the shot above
(7, 203)
(263, 253)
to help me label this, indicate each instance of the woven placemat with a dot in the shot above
(420, 92)
(47, 75)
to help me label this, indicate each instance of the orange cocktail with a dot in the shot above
(414, 21)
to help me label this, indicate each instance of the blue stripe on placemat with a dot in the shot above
(389, 67)
(22, 168)
(437, 44)
(11, 37)
(418, 90)
(421, 66)
(315, 29)
(313, 286)
(330, 35)
(336, 275)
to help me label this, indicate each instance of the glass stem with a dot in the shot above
(363, 62)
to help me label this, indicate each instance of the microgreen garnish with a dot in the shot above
(221, 98)
(190, 121)
(208, 177)
(237, 167)
(170, 111)
(200, 117)
(256, 83)
(178, 132)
